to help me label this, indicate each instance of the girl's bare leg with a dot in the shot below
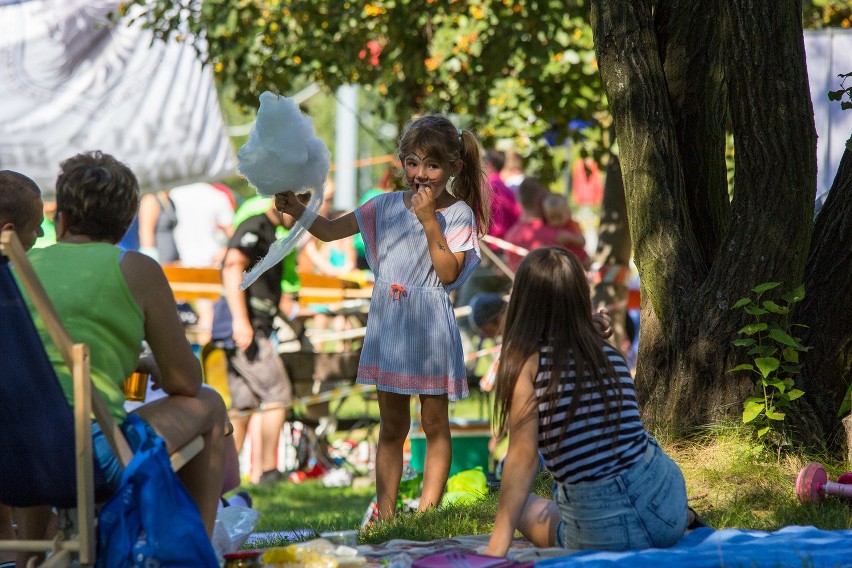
(539, 521)
(434, 418)
(394, 423)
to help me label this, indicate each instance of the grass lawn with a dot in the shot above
(731, 480)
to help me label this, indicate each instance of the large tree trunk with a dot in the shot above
(827, 313)
(694, 259)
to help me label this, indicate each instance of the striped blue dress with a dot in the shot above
(412, 344)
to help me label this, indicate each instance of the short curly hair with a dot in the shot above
(97, 196)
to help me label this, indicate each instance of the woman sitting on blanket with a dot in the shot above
(563, 391)
(113, 300)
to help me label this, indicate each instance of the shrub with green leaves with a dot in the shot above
(774, 354)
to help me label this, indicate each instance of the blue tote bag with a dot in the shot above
(151, 520)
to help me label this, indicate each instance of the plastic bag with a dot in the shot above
(234, 525)
(465, 487)
(151, 520)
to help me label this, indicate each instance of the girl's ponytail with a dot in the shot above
(471, 185)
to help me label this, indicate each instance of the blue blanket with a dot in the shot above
(790, 546)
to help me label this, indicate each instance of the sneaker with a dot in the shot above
(241, 499)
(271, 477)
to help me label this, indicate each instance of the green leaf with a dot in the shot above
(794, 295)
(751, 410)
(846, 405)
(790, 355)
(762, 351)
(741, 302)
(767, 365)
(772, 415)
(743, 367)
(775, 308)
(793, 394)
(755, 311)
(745, 342)
(761, 288)
(753, 328)
(782, 337)
(763, 431)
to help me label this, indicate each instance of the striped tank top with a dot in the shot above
(588, 451)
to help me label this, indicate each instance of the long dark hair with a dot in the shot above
(436, 136)
(551, 306)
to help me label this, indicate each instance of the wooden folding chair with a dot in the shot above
(45, 445)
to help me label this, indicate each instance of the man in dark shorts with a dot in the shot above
(257, 379)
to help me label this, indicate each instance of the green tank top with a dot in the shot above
(85, 284)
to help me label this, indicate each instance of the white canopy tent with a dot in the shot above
(71, 81)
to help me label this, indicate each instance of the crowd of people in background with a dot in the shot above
(201, 225)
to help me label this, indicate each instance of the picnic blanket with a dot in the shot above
(401, 553)
(708, 548)
(701, 548)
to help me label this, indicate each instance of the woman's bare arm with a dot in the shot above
(179, 367)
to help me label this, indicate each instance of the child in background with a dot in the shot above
(421, 244)
(615, 488)
(557, 214)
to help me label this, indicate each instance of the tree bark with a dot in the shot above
(690, 49)
(827, 313)
(688, 282)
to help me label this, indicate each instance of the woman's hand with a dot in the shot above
(423, 205)
(291, 204)
(148, 365)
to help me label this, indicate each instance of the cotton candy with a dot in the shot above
(282, 153)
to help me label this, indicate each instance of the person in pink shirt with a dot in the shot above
(505, 211)
(531, 231)
(557, 214)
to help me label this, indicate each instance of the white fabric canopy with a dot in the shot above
(71, 81)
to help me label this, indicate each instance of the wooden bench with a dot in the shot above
(318, 289)
(190, 284)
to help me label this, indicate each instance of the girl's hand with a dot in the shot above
(603, 322)
(291, 204)
(423, 204)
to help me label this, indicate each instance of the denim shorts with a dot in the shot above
(108, 469)
(644, 507)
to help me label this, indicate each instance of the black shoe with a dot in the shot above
(271, 477)
(696, 522)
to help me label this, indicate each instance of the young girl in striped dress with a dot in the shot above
(421, 244)
(563, 391)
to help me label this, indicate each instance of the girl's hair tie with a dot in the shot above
(460, 133)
